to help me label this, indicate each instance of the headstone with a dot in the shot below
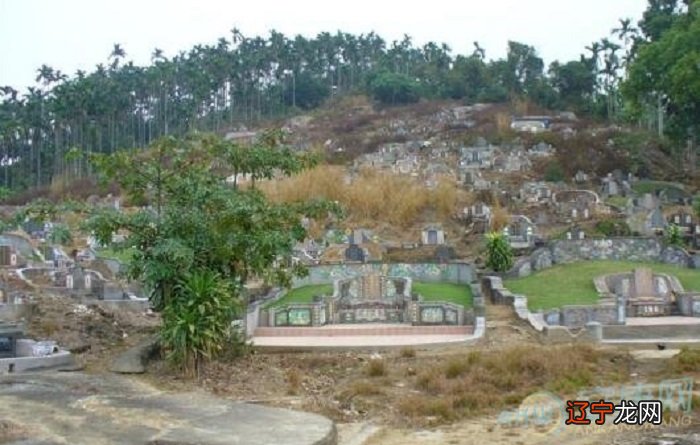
(643, 285)
(5, 254)
(355, 253)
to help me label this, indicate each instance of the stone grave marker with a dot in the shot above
(643, 284)
(355, 253)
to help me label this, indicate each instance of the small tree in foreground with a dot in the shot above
(673, 236)
(201, 238)
(499, 252)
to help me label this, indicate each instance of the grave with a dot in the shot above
(520, 232)
(641, 292)
(18, 354)
(355, 253)
(433, 235)
(8, 256)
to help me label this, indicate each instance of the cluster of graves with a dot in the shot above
(367, 298)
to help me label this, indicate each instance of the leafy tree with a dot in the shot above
(201, 238)
(575, 82)
(499, 253)
(666, 69)
(392, 89)
(60, 234)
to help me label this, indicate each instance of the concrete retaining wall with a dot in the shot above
(457, 272)
(616, 249)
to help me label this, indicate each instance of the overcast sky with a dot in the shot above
(77, 34)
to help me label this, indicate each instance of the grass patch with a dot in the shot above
(617, 201)
(371, 198)
(407, 352)
(376, 367)
(477, 383)
(447, 292)
(123, 256)
(573, 283)
(652, 186)
(304, 294)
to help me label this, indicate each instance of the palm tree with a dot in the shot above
(479, 51)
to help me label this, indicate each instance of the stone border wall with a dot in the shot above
(493, 289)
(455, 272)
(616, 249)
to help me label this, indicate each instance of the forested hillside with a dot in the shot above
(47, 130)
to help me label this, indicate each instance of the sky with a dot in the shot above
(78, 34)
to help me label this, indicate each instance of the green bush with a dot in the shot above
(673, 236)
(197, 321)
(554, 173)
(611, 227)
(499, 252)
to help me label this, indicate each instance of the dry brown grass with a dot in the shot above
(407, 352)
(373, 197)
(376, 367)
(483, 382)
(499, 217)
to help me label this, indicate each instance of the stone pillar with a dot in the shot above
(594, 330)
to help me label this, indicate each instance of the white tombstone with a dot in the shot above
(69, 281)
(88, 281)
(581, 235)
(585, 213)
(13, 259)
(568, 235)
(677, 219)
(574, 213)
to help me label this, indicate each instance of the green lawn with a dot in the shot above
(447, 292)
(651, 186)
(304, 294)
(573, 283)
(122, 256)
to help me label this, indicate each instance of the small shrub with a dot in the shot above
(293, 381)
(611, 227)
(416, 406)
(673, 236)
(362, 388)
(554, 173)
(376, 368)
(407, 352)
(455, 368)
(431, 382)
(500, 254)
(688, 360)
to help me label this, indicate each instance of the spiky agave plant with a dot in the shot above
(500, 254)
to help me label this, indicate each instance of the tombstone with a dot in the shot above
(656, 220)
(574, 213)
(355, 253)
(5, 255)
(580, 176)
(648, 201)
(433, 236)
(643, 283)
(75, 278)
